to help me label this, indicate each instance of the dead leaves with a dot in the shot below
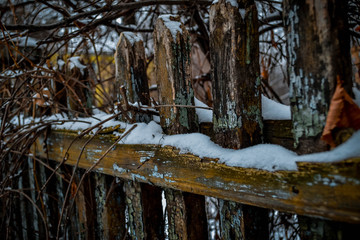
(343, 117)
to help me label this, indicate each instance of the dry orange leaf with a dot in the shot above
(343, 113)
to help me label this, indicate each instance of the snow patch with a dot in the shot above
(173, 26)
(272, 110)
(132, 37)
(204, 115)
(75, 62)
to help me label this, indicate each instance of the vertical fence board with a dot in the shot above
(110, 207)
(230, 220)
(115, 210)
(152, 211)
(320, 229)
(235, 75)
(172, 70)
(143, 201)
(130, 72)
(234, 42)
(176, 210)
(134, 209)
(196, 216)
(85, 205)
(318, 51)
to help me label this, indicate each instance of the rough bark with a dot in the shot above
(235, 75)
(230, 220)
(145, 219)
(172, 71)
(134, 210)
(318, 51)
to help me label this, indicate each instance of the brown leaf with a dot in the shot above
(343, 114)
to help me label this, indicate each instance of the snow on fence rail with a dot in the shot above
(122, 196)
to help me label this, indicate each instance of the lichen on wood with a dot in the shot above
(176, 210)
(172, 70)
(319, 51)
(130, 72)
(135, 221)
(235, 75)
(328, 190)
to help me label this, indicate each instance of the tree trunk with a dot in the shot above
(131, 85)
(318, 51)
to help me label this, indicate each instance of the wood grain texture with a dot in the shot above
(172, 70)
(329, 190)
(235, 74)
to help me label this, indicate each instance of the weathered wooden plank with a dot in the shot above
(176, 211)
(172, 70)
(235, 74)
(329, 190)
(152, 211)
(134, 209)
(145, 218)
(130, 65)
(319, 51)
(110, 207)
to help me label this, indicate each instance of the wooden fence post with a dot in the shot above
(144, 211)
(130, 72)
(318, 49)
(234, 53)
(186, 211)
(110, 207)
(145, 216)
(172, 71)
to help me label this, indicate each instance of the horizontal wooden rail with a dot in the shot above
(329, 190)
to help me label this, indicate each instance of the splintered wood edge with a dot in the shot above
(328, 190)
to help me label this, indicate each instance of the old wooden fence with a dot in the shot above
(116, 190)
